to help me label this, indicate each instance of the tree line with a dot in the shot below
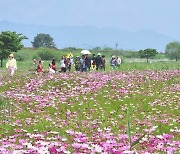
(11, 42)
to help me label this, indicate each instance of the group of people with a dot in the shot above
(115, 62)
(87, 63)
(84, 63)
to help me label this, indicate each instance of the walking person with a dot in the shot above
(11, 65)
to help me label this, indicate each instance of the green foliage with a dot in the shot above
(148, 53)
(43, 40)
(173, 50)
(46, 54)
(160, 63)
(138, 140)
(10, 42)
(128, 123)
(36, 56)
(4, 108)
(21, 57)
(132, 144)
(71, 49)
(126, 54)
(107, 49)
(96, 49)
(160, 56)
(108, 52)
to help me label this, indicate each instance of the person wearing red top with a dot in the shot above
(40, 68)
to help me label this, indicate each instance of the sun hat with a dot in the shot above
(99, 54)
(11, 55)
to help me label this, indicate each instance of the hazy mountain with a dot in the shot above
(90, 37)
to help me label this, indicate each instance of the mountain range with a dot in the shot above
(88, 37)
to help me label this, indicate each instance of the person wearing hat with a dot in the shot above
(113, 62)
(98, 61)
(11, 65)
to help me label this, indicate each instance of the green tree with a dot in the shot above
(9, 42)
(97, 49)
(172, 50)
(147, 53)
(43, 40)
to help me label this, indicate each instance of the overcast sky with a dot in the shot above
(158, 15)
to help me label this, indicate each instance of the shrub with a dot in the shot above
(46, 55)
(20, 56)
(36, 56)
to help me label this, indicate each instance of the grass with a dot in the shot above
(26, 55)
(25, 66)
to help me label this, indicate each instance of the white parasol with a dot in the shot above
(85, 52)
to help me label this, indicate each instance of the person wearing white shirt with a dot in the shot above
(63, 64)
(11, 65)
(118, 61)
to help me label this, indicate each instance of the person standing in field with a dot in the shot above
(113, 62)
(103, 62)
(93, 62)
(98, 61)
(83, 65)
(87, 62)
(63, 64)
(40, 69)
(68, 64)
(118, 61)
(11, 65)
(77, 64)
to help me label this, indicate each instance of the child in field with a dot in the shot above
(93, 62)
(118, 61)
(35, 62)
(113, 62)
(40, 69)
(11, 65)
(52, 67)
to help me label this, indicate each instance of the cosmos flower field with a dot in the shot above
(87, 113)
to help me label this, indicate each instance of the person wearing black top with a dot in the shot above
(98, 61)
(87, 62)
